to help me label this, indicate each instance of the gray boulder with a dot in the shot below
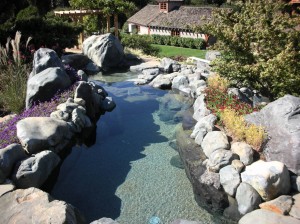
(230, 179)
(144, 66)
(77, 61)
(105, 50)
(67, 107)
(35, 206)
(244, 151)
(91, 68)
(247, 198)
(200, 109)
(218, 159)
(213, 141)
(85, 92)
(295, 210)
(104, 221)
(34, 171)
(161, 82)
(44, 85)
(61, 115)
(281, 205)
(168, 65)
(269, 179)
(212, 55)
(45, 58)
(151, 71)
(80, 119)
(6, 187)
(40, 133)
(239, 95)
(262, 216)
(8, 158)
(202, 127)
(281, 120)
(179, 82)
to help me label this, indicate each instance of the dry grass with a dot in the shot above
(217, 82)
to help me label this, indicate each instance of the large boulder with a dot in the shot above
(247, 198)
(168, 65)
(269, 179)
(105, 50)
(45, 58)
(34, 171)
(8, 158)
(262, 216)
(41, 133)
(281, 120)
(84, 91)
(44, 85)
(35, 206)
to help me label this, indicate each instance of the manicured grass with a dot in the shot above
(170, 51)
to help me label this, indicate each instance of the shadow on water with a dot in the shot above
(89, 177)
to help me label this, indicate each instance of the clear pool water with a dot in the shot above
(126, 175)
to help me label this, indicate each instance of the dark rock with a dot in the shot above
(77, 61)
(82, 75)
(34, 171)
(295, 183)
(35, 206)
(281, 120)
(177, 162)
(239, 95)
(8, 158)
(84, 91)
(108, 104)
(44, 85)
(232, 211)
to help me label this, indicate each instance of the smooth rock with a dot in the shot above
(104, 50)
(204, 125)
(262, 216)
(281, 120)
(44, 85)
(104, 221)
(45, 58)
(247, 198)
(230, 179)
(200, 109)
(219, 159)
(6, 187)
(183, 221)
(269, 179)
(41, 133)
(281, 205)
(238, 165)
(161, 82)
(34, 171)
(214, 140)
(8, 158)
(244, 151)
(77, 61)
(35, 206)
(295, 210)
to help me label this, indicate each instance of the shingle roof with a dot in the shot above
(184, 17)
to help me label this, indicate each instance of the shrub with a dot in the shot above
(217, 82)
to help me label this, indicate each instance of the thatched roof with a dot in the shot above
(184, 17)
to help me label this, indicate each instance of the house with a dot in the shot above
(170, 18)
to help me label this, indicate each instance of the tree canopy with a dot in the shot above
(260, 46)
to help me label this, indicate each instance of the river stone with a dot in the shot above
(104, 221)
(244, 151)
(34, 171)
(168, 65)
(161, 82)
(200, 109)
(8, 158)
(61, 115)
(44, 85)
(77, 61)
(262, 216)
(104, 50)
(45, 58)
(6, 187)
(281, 205)
(207, 189)
(195, 84)
(219, 159)
(214, 140)
(84, 91)
(204, 125)
(230, 179)
(281, 120)
(269, 179)
(238, 165)
(183, 221)
(295, 210)
(35, 206)
(39, 133)
(108, 104)
(247, 198)
(179, 82)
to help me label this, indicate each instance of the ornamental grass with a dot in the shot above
(230, 112)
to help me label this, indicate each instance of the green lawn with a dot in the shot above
(170, 51)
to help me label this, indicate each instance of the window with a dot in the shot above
(175, 33)
(138, 28)
(163, 5)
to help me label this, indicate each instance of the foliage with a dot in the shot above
(217, 82)
(176, 52)
(13, 74)
(31, 12)
(197, 43)
(139, 42)
(260, 46)
(8, 131)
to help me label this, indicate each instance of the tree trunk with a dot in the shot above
(108, 23)
(116, 24)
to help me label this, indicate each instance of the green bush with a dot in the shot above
(31, 12)
(178, 41)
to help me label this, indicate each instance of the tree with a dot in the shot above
(260, 46)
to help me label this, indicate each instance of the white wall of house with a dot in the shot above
(143, 30)
(131, 27)
(189, 34)
(160, 32)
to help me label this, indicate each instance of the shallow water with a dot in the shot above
(126, 175)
